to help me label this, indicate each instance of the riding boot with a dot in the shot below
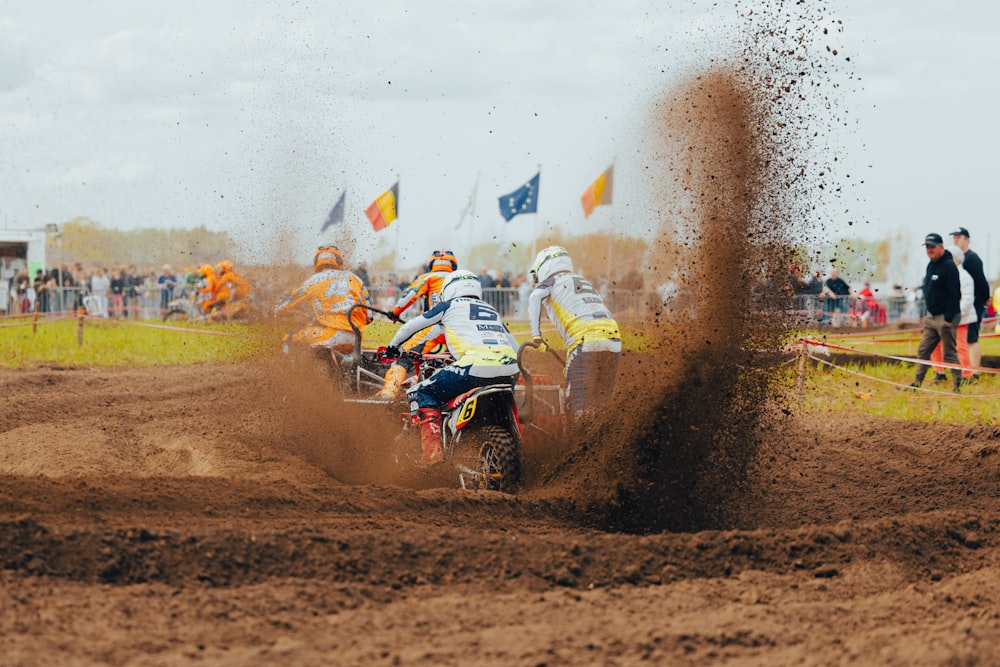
(393, 384)
(430, 435)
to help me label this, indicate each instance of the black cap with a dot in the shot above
(961, 231)
(933, 239)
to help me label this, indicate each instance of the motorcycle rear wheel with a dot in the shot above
(499, 460)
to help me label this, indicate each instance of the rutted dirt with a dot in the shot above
(145, 521)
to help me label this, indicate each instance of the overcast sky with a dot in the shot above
(253, 117)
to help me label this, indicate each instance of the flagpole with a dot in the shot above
(614, 225)
(472, 213)
(395, 250)
(607, 249)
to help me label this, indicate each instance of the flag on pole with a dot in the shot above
(336, 213)
(599, 192)
(384, 209)
(522, 200)
(470, 206)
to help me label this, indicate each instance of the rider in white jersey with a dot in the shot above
(483, 348)
(591, 335)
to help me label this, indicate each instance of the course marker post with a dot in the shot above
(800, 381)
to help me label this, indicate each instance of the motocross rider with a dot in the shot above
(330, 292)
(591, 335)
(208, 289)
(482, 346)
(425, 288)
(232, 286)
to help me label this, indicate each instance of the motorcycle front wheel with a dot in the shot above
(499, 460)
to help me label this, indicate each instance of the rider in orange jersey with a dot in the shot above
(209, 288)
(331, 292)
(426, 289)
(232, 286)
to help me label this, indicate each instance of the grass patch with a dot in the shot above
(125, 343)
(131, 343)
(899, 343)
(879, 389)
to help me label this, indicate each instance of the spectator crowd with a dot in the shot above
(121, 291)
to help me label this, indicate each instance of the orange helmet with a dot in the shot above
(223, 266)
(442, 260)
(328, 257)
(206, 270)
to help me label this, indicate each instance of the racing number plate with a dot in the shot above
(468, 410)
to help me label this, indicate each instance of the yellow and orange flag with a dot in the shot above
(384, 209)
(599, 192)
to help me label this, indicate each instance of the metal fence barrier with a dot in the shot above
(847, 311)
(60, 301)
(512, 303)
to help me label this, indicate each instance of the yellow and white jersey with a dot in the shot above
(577, 311)
(474, 334)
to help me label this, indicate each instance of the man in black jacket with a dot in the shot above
(974, 265)
(942, 292)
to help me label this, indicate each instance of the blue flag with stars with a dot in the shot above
(522, 200)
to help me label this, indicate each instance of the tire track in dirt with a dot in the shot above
(407, 555)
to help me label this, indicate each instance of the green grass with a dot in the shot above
(880, 389)
(130, 343)
(872, 385)
(111, 343)
(895, 343)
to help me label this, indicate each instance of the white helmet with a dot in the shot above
(461, 283)
(549, 261)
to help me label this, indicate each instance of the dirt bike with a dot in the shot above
(185, 307)
(189, 307)
(480, 431)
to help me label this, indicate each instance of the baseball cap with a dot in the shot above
(961, 231)
(933, 239)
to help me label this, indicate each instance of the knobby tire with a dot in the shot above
(499, 460)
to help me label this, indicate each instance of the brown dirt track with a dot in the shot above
(139, 525)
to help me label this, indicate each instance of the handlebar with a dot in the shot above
(356, 354)
(382, 357)
(532, 344)
(392, 316)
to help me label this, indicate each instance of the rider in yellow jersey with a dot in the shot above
(483, 348)
(591, 335)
